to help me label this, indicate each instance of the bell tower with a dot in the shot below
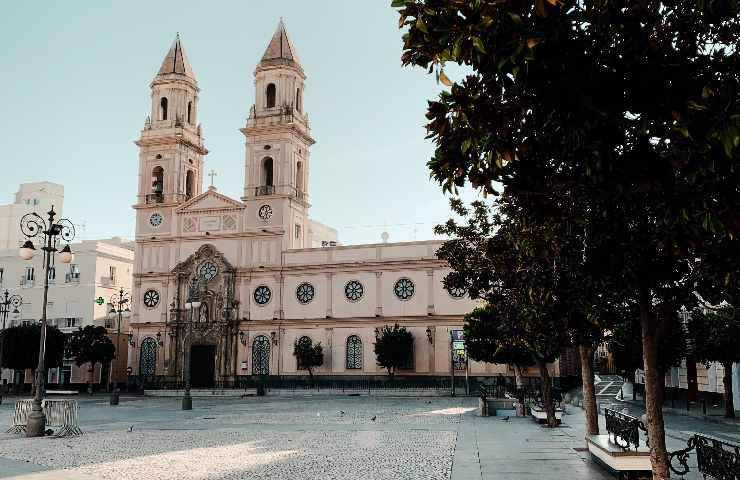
(170, 146)
(278, 138)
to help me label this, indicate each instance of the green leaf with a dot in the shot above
(398, 3)
(478, 44)
(421, 25)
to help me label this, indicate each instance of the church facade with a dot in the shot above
(228, 285)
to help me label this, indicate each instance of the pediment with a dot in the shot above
(210, 200)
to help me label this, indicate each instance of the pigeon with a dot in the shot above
(130, 429)
(374, 417)
(505, 419)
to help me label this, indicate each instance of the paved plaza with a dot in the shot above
(326, 437)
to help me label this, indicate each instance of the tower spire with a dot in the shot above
(176, 61)
(280, 50)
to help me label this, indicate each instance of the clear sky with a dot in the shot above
(74, 90)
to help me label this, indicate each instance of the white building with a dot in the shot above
(31, 197)
(99, 269)
(266, 274)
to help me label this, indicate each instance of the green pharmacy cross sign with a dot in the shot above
(99, 300)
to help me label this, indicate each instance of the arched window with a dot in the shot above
(163, 108)
(299, 177)
(298, 99)
(261, 356)
(190, 111)
(158, 180)
(270, 95)
(267, 179)
(148, 357)
(189, 184)
(354, 353)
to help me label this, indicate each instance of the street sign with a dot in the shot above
(99, 300)
(458, 335)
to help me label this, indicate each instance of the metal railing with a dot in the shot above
(623, 428)
(291, 383)
(264, 190)
(154, 198)
(715, 458)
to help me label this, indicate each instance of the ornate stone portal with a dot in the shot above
(207, 334)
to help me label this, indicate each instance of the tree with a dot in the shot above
(633, 103)
(715, 335)
(90, 345)
(22, 347)
(394, 347)
(308, 355)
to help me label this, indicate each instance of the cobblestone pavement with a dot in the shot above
(309, 438)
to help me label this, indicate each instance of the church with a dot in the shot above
(228, 285)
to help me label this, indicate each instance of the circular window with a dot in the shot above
(208, 270)
(265, 212)
(353, 290)
(155, 219)
(404, 288)
(151, 298)
(305, 293)
(262, 295)
(458, 292)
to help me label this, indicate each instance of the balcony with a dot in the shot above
(72, 278)
(107, 282)
(264, 190)
(154, 198)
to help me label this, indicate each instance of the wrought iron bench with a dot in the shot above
(715, 458)
(61, 414)
(619, 451)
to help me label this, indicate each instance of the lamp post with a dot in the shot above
(50, 232)
(120, 309)
(190, 306)
(6, 302)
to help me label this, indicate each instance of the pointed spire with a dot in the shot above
(281, 49)
(176, 61)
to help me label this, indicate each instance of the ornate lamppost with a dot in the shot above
(6, 302)
(50, 232)
(191, 306)
(120, 309)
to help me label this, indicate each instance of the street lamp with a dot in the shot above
(191, 306)
(120, 309)
(34, 225)
(6, 302)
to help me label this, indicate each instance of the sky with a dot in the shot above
(74, 90)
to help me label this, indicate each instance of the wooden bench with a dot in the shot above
(61, 414)
(619, 451)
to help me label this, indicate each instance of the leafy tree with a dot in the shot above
(393, 348)
(308, 355)
(715, 335)
(635, 103)
(90, 345)
(21, 349)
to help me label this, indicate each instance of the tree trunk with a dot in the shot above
(547, 394)
(586, 352)
(653, 408)
(519, 385)
(518, 377)
(727, 380)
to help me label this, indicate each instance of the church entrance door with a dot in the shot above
(202, 366)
